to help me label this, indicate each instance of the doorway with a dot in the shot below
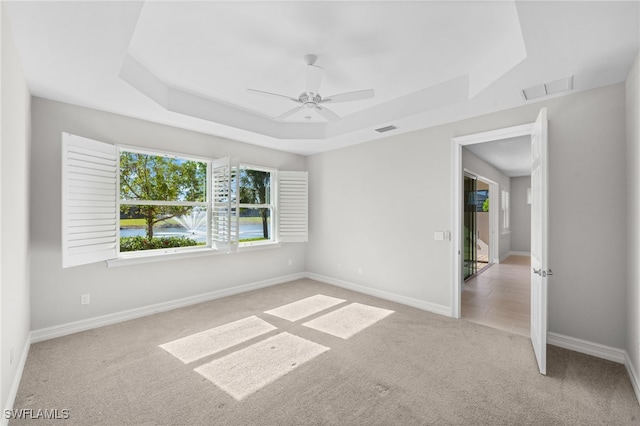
(477, 226)
(537, 134)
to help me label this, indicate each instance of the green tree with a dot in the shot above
(485, 205)
(146, 177)
(255, 188)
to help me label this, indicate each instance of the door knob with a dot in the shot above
(542, 273)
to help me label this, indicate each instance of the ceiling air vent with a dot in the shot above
(386, 129)
(546, 89)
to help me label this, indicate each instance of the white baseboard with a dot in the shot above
(514, 253)
(600, 351)
(15, 384)
(82, 325)
(393, 297)
(633, 375)
(586, 347)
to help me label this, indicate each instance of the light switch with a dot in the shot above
(438, 236)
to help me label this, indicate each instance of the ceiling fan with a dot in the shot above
(311, 99)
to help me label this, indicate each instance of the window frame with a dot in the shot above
(206, 204)
(91, 203)
(273, 237)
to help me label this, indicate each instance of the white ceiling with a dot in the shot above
(511, 156)
(188, 64)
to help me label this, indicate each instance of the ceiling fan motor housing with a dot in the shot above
(309, 101)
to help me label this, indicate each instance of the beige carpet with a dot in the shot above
(248, 370)
(348, 320)
(304, 308)
(195, 346)
(411, 368)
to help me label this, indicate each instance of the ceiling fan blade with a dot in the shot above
(288, 113)
(327, 113)
(350, 96)
(314, 78)
(273, 95)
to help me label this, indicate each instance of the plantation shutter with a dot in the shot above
(89, 205)
(225, 210)
(293, 220)
(505, 210)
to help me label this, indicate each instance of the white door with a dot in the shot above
(539, 239)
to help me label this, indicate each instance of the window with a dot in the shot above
(505, 211)
(256, 208)
(163, 201)
(121, 202)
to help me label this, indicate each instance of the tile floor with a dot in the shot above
(499, 297)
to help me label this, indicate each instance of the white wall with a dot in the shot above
(520, 214)
(633, 214)
(55, 297)
(14, 214)
(476, 165)
(377, 205)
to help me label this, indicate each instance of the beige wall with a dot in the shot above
(55, 298)
(520, 214)
(483, 217)
(14, 214)
(483, 226)
(477, 166)
(633, 215)
(376, 206)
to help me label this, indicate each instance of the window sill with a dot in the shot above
(141, 258)
(259, 246)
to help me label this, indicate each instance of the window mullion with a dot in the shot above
(256, 206)
(163, 203)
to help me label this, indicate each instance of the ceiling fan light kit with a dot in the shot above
(311, 99)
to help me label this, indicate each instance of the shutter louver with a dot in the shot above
(293, 223)
(225, 210)
(89, 206)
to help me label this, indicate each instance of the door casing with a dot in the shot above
(457, 194)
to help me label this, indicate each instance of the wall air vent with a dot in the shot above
(546, 89)
(386, 129)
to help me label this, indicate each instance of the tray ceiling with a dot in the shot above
(188, 64)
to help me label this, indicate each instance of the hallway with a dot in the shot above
(500, 296)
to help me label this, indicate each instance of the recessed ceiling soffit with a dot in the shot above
(199, 58)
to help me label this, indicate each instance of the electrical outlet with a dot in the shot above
(85, 299)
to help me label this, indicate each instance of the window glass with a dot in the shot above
(256, 210)
(163, 202)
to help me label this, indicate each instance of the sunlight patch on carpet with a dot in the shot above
(199, 345)
(246, 371)
(346, 322)
(305, 307)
